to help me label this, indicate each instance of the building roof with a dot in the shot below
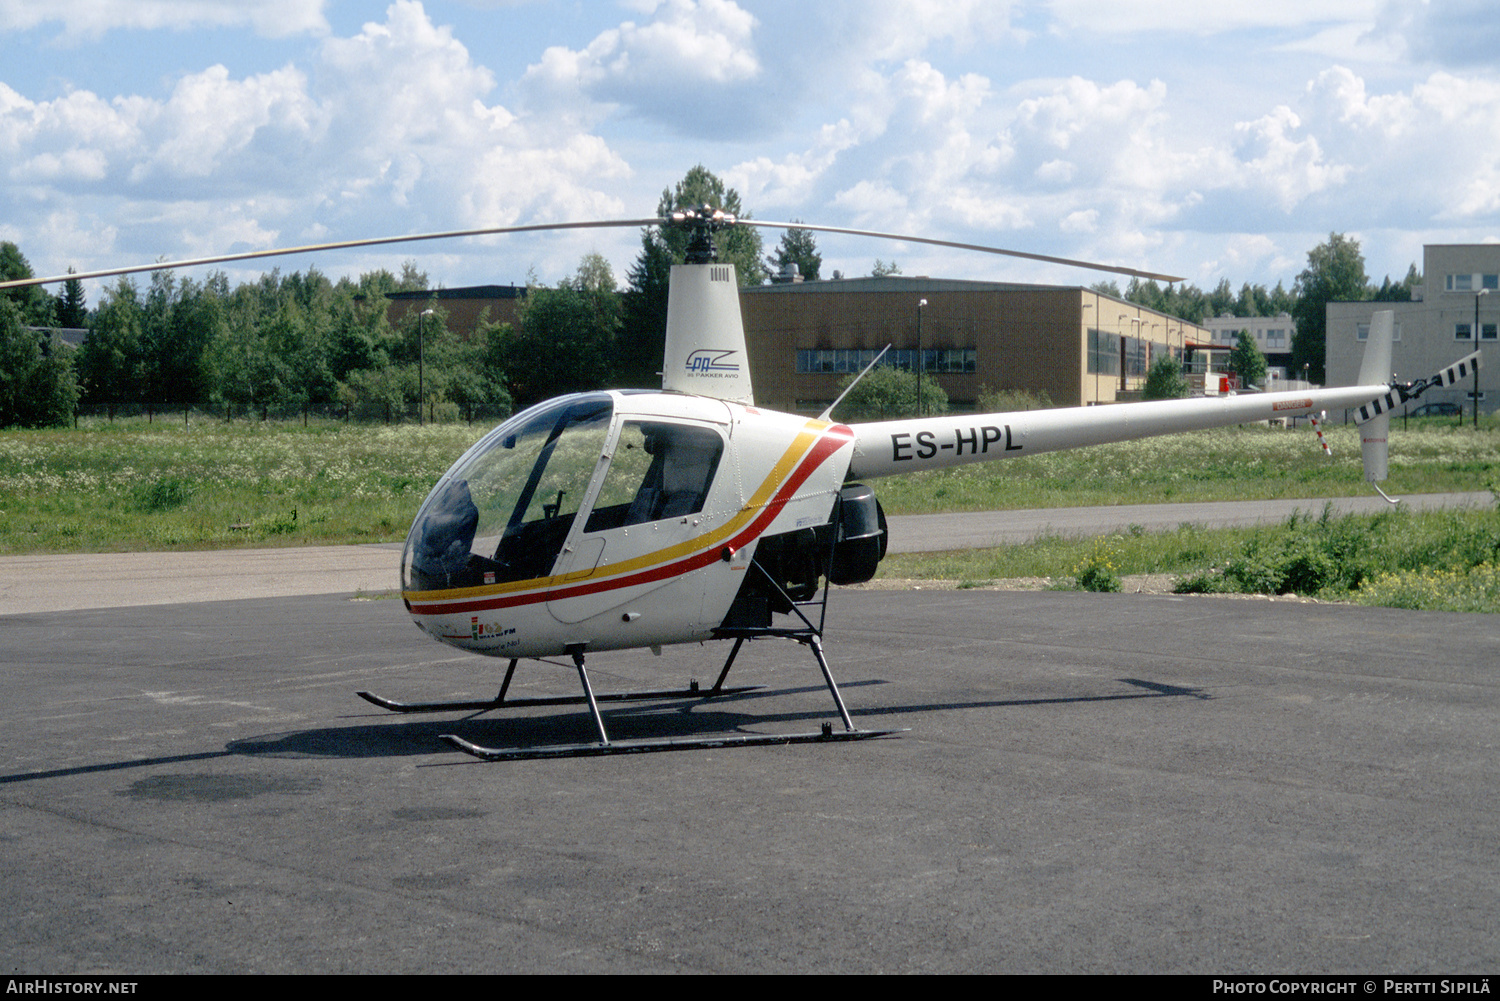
(900, 283)
(467, 292)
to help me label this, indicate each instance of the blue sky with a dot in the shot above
(1214, 144)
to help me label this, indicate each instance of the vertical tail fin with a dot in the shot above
(1375, 417)
(705, 351)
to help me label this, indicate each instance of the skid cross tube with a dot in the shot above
(693, 691)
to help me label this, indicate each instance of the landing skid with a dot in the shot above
(827, 735)
(807, 634)
(648, 744)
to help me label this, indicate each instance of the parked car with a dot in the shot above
(1437, 410)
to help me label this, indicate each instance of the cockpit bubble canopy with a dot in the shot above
(505, 510)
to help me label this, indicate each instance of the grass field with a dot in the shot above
(133, 485)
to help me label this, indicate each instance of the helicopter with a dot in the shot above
(628, 519)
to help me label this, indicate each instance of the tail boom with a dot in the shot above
(886, 448)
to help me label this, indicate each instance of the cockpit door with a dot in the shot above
(645, 530)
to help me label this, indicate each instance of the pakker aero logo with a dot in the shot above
(703, 361)
(483, 630)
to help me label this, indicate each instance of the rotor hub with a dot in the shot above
(701, 223)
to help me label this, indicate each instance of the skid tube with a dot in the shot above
(648, 745)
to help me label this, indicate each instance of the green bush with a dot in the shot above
(1099, 572)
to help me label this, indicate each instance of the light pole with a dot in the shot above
(922, 305)
(1091, 344)
(421, 360)
(1483, 291)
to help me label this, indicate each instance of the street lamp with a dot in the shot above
(1483, 291)
(421, 360)
(1091, 345)
(921, 305)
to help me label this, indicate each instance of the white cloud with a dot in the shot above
(792, 179)
(93, 18)
(1085, 221)
(1271, 156)
(899, 30)
(396, 116)
(952, 118)
(671, 67)
(1434, 148)
(1111, 17)
(211, 119)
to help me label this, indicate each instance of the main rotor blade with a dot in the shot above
(966, 246)
(251, 255)
(310, 248)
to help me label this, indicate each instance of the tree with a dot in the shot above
(565, 344)
(1247, 362)
(72, 306)
(797, 247)
(1399, 291)
(37, 384)
(1221, 300)
(881, 269)
(411, 279)
(1165, 381)
(887, 392)
(34, 304)
(110, 362)
(594, 274)
(1335, 272)
(643, 330)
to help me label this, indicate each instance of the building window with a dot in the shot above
(1362, 332)
(951, 361)
(1104, 353)
(1471, 283)
(1463, 331)
(838, 361)
(1276, 339)
(1487, 332)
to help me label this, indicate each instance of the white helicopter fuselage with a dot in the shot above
(642, 560)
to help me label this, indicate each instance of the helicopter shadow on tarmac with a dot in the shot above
(665, 720)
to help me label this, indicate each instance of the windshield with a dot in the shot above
(504, 510)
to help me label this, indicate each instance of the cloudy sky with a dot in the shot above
(1207, 140)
